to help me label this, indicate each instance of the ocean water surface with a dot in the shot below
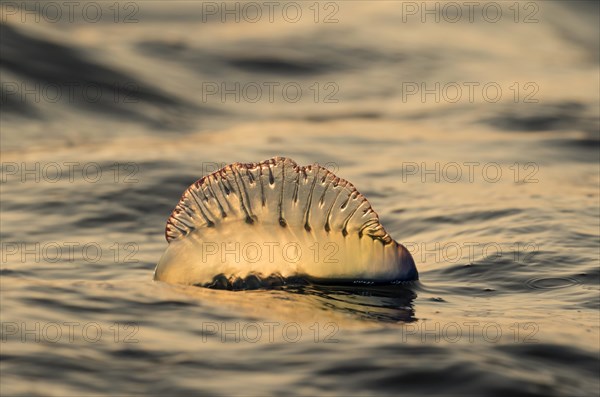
(476, 142)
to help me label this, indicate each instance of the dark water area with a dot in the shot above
(476, 142)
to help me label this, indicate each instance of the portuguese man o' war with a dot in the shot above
(246, 223)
